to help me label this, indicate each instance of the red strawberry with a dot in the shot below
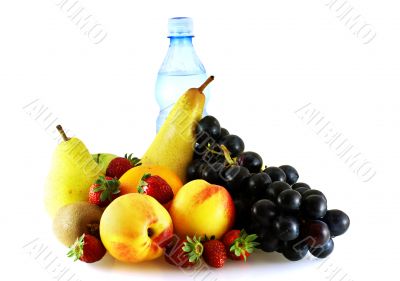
(119, 165)
(214, 253)
(156, 187)
(183, 252)
(87, 248)
(103, 191)
(239, 244)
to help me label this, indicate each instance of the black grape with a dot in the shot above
(337, 221)
(291, 174)
(192, 171)
(233, 143)
(324, 250)
(289, 200)
(233, 176)
(275, 173)
(312, 192)
(224, 132)
(317, 233)
(314, 206)
(295, 250)
(286, 228)
(300, 184)
(256, 184)
(264, 212)
(208, 126)
(274, 189)
(251, 161)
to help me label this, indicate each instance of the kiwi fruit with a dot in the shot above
(72, 220)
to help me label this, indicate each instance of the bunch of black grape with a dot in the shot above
(293, 219)
(288, 217)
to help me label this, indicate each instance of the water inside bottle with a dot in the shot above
(172, 87)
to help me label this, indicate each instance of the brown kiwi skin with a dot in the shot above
(72, 220)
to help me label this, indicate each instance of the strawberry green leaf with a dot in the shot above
(133, 160)
(193, 248)
(103, 196)
(107, 187)
(143, 183)
(76, 250)
(244, 244)
(145, 176)
(99, 188)
(238, 252)
(186, 248)
(192, 258)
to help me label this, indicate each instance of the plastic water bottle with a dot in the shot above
(181, 69)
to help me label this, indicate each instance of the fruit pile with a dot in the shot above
(287, 216)
(194, 195)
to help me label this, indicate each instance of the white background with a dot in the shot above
(270, 58)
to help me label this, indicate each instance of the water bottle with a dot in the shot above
(181, 68)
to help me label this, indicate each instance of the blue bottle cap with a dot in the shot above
(180, 26)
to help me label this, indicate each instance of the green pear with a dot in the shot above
(103, 159)
(72, 172)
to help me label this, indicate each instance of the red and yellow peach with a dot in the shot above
(200, 208)
(135, 228)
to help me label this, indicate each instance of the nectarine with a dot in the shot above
(200, 208)
(135, 228)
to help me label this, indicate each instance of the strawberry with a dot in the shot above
(87, 248)
(156, 187)
(103, 191)
(239, 244)
(183, 252)
(214, 253)
(119, 165)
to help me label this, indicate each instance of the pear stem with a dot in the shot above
(62, 133)
(205, 84)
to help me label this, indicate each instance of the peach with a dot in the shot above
(200, 208)
(135, 228)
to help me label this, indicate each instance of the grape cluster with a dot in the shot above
(288, 216)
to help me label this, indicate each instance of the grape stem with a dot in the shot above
(227, 155)
(213, 151)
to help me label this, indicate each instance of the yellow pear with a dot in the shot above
(72, 172)
(173, 145)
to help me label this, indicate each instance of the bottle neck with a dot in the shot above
(181, 58)
(180, 41)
